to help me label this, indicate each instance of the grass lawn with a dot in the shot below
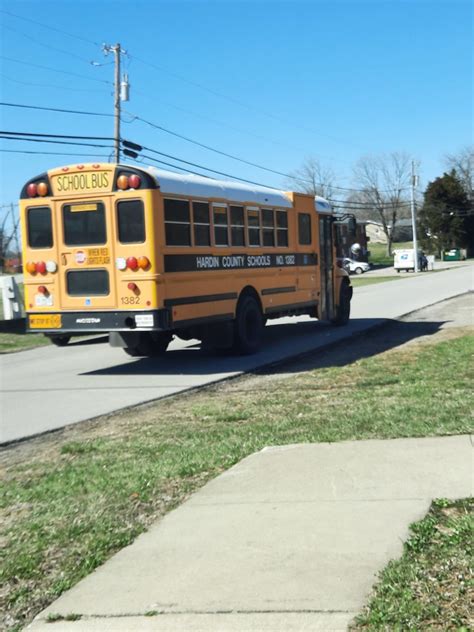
(19, 342)
(69, 502)
(378, 252)
(358, 281)
(430, 587)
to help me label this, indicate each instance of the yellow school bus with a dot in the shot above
(145, 254)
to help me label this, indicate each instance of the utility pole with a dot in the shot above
(414, 182)
(120, 94)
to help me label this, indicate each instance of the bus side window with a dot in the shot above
(40, 227)
(201, 224)
(237, 226)
(268, 230)
(304, 229)
(282, 228)
(131, 221)
(253, 224)
(221, 235)
(177, 223)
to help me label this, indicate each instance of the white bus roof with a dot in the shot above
(191, 185)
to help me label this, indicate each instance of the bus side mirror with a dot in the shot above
(352, 226)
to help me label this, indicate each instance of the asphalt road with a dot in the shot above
(48, 388)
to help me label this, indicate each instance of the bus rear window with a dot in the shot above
(84, 224)
(131, 221)
(40, 228)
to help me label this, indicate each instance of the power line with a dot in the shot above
(40, 43)
(51, 153)
(37, 107)
(243, 160)
(237, 101)
(221, 173)
(46, 85)
(57, 135)
(63, 72)
(48, 26)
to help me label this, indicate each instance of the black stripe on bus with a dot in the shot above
(289, 308)
(278, 290)
(192, 322)
(191, 300)
(244, 261)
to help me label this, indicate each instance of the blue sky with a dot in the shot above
(271, 82)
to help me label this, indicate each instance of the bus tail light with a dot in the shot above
(37, 188)
(31, 267)
(121, 263)
(32, 190)
(133, 287)
(143, 263)
(42, 189)
(40, 267)
(43, 289)
(132, 263)
(51, 266)
(125, 182)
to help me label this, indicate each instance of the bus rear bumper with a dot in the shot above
(98, 322)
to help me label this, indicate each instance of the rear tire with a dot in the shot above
(59, 341)
(149, 344)
(248, 326)
(344, 308)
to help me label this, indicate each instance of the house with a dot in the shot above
(375, 232)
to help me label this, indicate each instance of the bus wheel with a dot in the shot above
(248, 326)
(344, 308)
(149, 344)
(59, 341)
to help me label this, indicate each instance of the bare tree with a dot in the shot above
(313, 178)
(384, 182)
(463, 164)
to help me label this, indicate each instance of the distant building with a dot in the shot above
(345, 241)
(375, 232)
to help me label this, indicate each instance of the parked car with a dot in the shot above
(355, 267)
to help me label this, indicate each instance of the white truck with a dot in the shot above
(405, 259)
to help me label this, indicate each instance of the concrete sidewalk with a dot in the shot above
(290, 538)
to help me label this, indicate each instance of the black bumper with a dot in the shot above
(98, 322)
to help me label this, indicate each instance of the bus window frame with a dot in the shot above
(126, 243)
(189, 223)
(214, 225)
(193, 224)
(51, 216)
(85, 244)
(254, 228)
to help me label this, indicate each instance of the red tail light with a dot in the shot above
(32, 190)
(132, 263)
(41, 267)
(42, 289)
(134, 181)
(133, 287)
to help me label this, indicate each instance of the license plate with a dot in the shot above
(45, 321)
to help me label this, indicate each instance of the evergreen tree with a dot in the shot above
(446, 219)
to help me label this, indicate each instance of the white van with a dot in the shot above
(405, 259)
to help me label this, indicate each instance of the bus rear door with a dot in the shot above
(86, 251)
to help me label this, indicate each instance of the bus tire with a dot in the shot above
(149, 344)
(248, 326)
(59, 341)
(343, 311)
